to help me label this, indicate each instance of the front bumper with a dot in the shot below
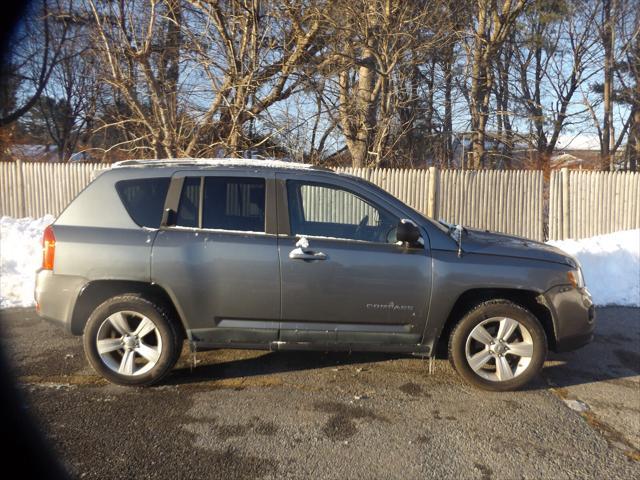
(574, 316)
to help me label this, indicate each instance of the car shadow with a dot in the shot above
(613, 357)
(269, 363)
(591, 365)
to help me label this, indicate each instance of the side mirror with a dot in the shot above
(168, 218)
(407, 232)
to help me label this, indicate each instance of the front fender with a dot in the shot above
(453, 276)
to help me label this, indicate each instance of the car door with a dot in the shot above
(218, 257)
(344, 277)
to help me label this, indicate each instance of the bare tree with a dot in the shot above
(492, 26)
(35, 53)
(377, 54)
(66, 108)
(633, 60)
(616, 97)
(138, 45)
(371, 82)
(261, 46)
(607, 34)
(248, 53)
(628, 76)
(502, 91)
(554, 56)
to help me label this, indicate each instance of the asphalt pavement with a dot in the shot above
(251, 414)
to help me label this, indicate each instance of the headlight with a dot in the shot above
(575, 278)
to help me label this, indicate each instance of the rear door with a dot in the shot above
(344, 278)
(220, 261)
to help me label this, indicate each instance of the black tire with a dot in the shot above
(165, 327)
(486, 311)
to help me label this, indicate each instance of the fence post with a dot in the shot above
(565, 203)
(20, 177)
(432, 205)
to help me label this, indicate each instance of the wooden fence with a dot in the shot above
(586, 203)
(575, 204)
(35, 189)
(509, 201)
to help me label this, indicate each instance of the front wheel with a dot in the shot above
(131, 341)
(498, 346)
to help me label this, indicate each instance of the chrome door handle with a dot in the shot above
(299, 254)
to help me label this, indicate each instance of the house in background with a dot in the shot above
(42, 154)
(33, 153)
(579, 152)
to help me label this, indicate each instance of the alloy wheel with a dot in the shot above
(129, 343)
(499, 349)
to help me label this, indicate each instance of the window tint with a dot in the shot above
(189, 203)
(234, 204)
(327, 211)
(144, 199)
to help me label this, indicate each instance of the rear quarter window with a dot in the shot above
(144, 198)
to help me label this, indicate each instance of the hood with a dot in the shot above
(490, 243)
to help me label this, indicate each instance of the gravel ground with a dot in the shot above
(243, 414)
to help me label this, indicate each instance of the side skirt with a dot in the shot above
(414, 349)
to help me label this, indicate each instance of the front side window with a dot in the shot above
(322, 210)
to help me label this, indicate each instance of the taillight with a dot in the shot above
(48, 248)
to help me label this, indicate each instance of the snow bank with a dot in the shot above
(611, 263)
(20, 257)
(611, 266)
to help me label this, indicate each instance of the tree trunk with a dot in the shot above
(172, 74)
(366, 82)
(448, 116)
(634, 141)
(358, 120)
(478, 117)
(607, 124)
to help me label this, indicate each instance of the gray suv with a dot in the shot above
(281, 256)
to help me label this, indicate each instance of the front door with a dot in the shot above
(344, 277)
(219, 260)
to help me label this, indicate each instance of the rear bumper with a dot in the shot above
(56, 296)
(574, 317)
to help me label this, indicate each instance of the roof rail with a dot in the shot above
(217, 162)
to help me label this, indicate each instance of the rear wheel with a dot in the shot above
(131, 341)
(498, 346)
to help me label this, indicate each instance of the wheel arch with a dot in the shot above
(529, 299)
(96, 292)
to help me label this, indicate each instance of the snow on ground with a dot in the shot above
(611, 266)
(20, 257)
(611, 263)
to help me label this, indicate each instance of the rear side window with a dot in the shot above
(189, 203)
(144, 199)
(234, 203)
